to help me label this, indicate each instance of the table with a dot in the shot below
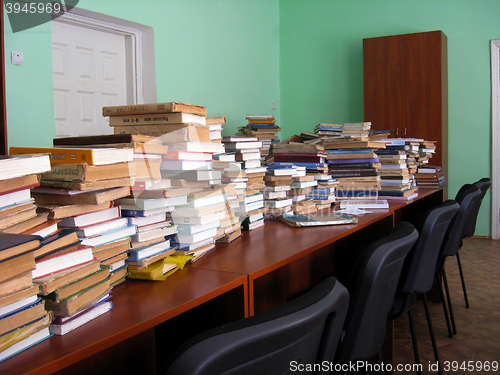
(263, 269)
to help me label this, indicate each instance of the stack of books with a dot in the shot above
(279, 182)
(425, 151)
(264, 128)
(300, 190)
(82, 195)
(180, 120)
(357, 129)
(18, 174)
(215, 125)
(23, 319)
(396, 179)
(430, 177)
(354, 164)
(250, 172)
(328, 130)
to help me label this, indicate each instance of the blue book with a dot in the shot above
(299, 164)
(351, 151)
(32, 312)
(329, 128)
(319, 197)
(148, 251)
(275, 166)
(263, 126)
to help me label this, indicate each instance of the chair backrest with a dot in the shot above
(372, 286)
(305, 330)
(420, 264)
(466, 197)
(470, 225)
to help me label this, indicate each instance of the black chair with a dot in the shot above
(468, 196)
(470, 226)
(303, 331)
(372, 285)
(417, 275)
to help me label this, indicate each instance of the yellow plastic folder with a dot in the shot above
(160, 270)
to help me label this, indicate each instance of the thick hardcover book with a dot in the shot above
(79, 301)
(87, 173)
(19, 183)
(315, 220)
(152, 119)
(55, 196)
(57, 328)
(103, 139)
(12, 245)
(92, 156)
(300, 164)
(21, 316)
(351, 161)
(136, 109)
(12, 166)
(52, 282)
(89, 185)
(62, 259)
(308, 158)
(28, 340)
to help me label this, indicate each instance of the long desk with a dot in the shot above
(262, 269)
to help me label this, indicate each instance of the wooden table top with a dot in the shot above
(138, 306)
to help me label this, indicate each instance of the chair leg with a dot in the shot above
(443, 302)
(448, 297)
(431, 332)
(414, 340)
(463, 280)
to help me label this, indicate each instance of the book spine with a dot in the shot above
(300, 164)
(59, 155)
(152, 119)
(154, 108)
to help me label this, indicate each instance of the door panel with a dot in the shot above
(89, 72)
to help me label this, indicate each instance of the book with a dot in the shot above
(143, 263)
(12, 245)
(148, 204)
(90, 218)
(87, 173)
(160, 232)
(69, 325)
(369, 203)
(18, 183)
(15, 197)
(17, 265)
(111, 249)
(61, 259)
(103, 226)
(18, 297)
(12, 166)
(15, 215)
(89, 185)
(22, 316)
(169, 133)
(43, 230)
(152, 119)
(197, 147)
(315, 220)
(78, 285)
(110, 236)
(47, 284)
(197, 237)
(159, 270)
(25, 343)
(173, 166)
(92, 156)
(184, 155)
(64, 211)
(149, 184)
(79, 301)
(16, 281)
(149, 108)
(85, 140)
(148, 251)
(56, 196)
(196, 175)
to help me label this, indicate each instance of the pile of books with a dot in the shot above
(18, 174)
(80, 191)
(356, 129)
(354, 164)
(279, 183)
(397, 179)
(23, 319)
(430, 177)
(215, 125)
(264, 128)
(328, 130)
(302, 196)
(247, 171)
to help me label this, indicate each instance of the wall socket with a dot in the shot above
(17, 58)
(273, 105)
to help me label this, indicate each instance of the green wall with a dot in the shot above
(322, 69)
(223, 54)
(238, 56)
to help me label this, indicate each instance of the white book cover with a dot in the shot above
(90, 218)
(184, 165)
(196, 228)
(197, 237)
(278, 203)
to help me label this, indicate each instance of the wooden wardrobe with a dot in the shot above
(406, 87)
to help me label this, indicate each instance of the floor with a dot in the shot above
(478, 327)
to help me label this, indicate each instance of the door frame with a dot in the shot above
(495, 137)
(139, 49)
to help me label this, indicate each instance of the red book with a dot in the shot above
(62, 259)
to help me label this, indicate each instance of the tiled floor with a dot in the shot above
(478, 327)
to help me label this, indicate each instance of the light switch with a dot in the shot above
(17, 58)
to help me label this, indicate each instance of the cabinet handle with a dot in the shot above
(405, 132)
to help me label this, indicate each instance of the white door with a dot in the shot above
(89, 72)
